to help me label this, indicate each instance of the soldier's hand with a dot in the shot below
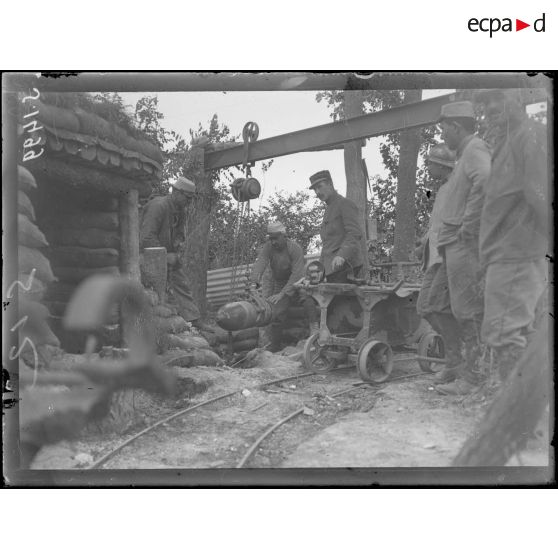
(337, 263)
(253, 286)
(274, 299)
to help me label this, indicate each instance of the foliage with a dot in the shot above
(383, 191)
(298, 212)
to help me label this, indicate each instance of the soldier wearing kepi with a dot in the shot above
(458, 237)
(285, 259)
(514, 228)
(341, 235)
(341, 232)
(433, 302)
(163, 225)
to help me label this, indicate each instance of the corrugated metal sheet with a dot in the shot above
(219, 282)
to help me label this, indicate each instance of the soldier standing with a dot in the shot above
(458, 237)
(514, 228)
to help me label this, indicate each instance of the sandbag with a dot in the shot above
(180, 358)
(25, 180)
(245, 345)
(31, 258)
(57, 117)
(75, 256)
(174, 324)
(86, 238)
(250, 333)
(184, 341)
(24, 205)
(32, 290)
(77, 274)
(102, 203)
(29, 234)
(206, 357)
(104, 220)
(163, 311)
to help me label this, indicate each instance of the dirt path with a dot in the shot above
(401, 424)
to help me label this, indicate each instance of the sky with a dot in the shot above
(275, 112)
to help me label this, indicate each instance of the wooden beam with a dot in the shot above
(335, 133)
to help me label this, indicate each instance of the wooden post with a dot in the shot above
(129, 235)
(356, 181)
(197, 230)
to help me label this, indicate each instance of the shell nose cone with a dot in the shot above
(232, 316)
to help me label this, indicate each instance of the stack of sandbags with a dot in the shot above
(34, 269)
(84, 240)
(83, 237)
(34, 276)
(175, 339)
(242, 340)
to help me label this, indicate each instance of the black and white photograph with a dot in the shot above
(268, 278)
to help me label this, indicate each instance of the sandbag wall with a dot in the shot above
(179, 345)
(34, 270)
(82, 230)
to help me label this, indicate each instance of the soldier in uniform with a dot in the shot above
(341, 233)
(163, 225)
(514, 227)
(458, 237)
(285, 259)
(433, 302)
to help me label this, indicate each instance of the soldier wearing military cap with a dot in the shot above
(458, 240)
(284, 259)
(163, 225)
(433, 302)
(341, 234)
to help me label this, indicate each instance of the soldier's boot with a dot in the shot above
(507, 358)
(448, 328)
(469, 376)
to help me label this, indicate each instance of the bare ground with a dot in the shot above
(400, 424)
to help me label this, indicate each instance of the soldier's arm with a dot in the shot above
(297, 268)
(477, 168)
(150, 226)
(353, 232)
(260, 265)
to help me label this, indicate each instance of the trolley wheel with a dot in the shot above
(431, 345)
(374, 361)
(314, 356)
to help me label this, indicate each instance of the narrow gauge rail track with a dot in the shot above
(300, 411)
(164, 421)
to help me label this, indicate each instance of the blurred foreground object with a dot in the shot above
(55, 405)
(516, 411)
